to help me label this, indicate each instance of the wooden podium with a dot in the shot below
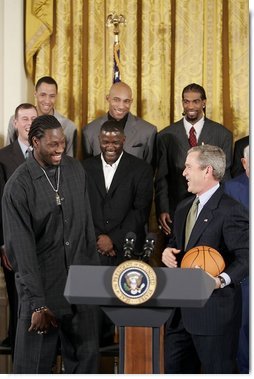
(141, 347)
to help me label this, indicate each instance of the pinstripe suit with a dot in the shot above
(173, 144)
(42, 240)
(222, 224)
(140, 137)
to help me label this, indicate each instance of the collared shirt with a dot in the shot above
(203, 199)
(24, 148)
(198, 126)
(109, 170)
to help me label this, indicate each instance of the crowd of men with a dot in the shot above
(58, 211)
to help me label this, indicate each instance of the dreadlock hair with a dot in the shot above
(40, 124)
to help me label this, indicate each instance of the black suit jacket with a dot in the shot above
(237, 167)
(126, 206)
(222, 224)
(173, 144)
(11, 157)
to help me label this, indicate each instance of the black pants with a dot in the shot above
(187, 353)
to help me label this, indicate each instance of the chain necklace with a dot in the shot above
(58, 200)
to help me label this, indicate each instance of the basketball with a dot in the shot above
(206, 258)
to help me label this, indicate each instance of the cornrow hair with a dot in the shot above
(40, 124)
(194, 87)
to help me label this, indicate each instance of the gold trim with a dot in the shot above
(141, 291)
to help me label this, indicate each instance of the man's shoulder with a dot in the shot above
(172, 128)
(218, 126)
(135, 162)
(140, 122)
(64, 121)
(95, 124)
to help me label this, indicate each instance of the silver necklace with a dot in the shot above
(58, 200)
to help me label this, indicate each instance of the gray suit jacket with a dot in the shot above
(140, 137)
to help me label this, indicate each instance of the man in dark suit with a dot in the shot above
(48, 226)
(237, 167)
(120, 191)
(11, 157)
(238, 188)
(140, 135)
(208, 335)
(173, 144)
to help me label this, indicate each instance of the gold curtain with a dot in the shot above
(165, 45)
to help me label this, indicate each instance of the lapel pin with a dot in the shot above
(206, 219)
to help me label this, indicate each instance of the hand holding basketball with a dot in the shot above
(205, 257)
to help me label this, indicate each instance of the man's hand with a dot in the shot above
(164, 221)
(5, 260)
(41, 321)
(168, 257)
(105, 245)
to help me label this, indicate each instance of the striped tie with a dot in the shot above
(192, 137)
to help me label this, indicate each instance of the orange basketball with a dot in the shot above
(206, 258)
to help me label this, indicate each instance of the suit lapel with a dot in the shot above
(204, 219)
(120, 173)
(99, 176)
(17, 153)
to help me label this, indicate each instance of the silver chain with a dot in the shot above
(58, 179)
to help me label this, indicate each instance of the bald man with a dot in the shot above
(140, 135)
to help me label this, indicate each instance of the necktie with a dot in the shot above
(192, 137)
(28, 153)
(191, 219)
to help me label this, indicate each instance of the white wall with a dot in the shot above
(13, 81)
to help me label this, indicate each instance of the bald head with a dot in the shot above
(120, 100)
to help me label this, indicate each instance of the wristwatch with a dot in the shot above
(222, 281)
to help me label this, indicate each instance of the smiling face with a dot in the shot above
(193, 106)
(120, 100)
(46, 97)
(198, 180)
(49, 149)
(111, 144)
(23, 121)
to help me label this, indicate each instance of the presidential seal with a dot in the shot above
(134, 282)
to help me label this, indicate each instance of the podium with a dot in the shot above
(175, 288)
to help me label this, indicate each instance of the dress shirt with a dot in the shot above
(203, 199)
(24, 148)
(109, 170)
(198, 126)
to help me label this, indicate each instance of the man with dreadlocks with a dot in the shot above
(48, 226)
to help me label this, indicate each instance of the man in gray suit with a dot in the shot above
(45, 93)
(174, 142)
(48, 226)
(140, 135)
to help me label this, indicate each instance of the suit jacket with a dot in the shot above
(126, 206)
(222, 224)
(140, 137)
(237, 167)
(11, 157)
(238, 188)
(173, 144)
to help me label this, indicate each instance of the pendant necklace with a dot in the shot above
(58, 200)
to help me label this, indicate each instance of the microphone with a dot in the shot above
(149, 245)
(129, 245)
